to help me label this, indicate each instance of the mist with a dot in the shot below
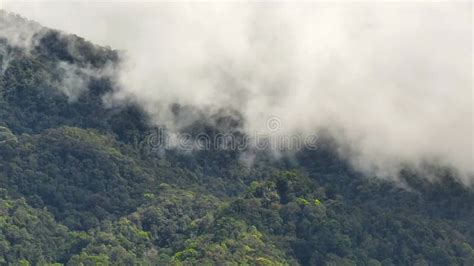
(392, 82)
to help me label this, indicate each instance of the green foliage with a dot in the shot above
(90, 175)
(29, 235)
(302, 201)
(6, 135)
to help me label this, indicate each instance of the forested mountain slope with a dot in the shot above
(81, 185)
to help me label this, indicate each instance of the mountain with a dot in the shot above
(82, 183)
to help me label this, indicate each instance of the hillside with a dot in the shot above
(82, 185)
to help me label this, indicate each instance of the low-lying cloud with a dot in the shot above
(391, 81)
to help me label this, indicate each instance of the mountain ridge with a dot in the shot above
(82, 186)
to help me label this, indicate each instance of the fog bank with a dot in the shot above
(391, 81)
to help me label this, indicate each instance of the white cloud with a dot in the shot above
(393, 81)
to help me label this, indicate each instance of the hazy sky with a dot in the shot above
(393, 81)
